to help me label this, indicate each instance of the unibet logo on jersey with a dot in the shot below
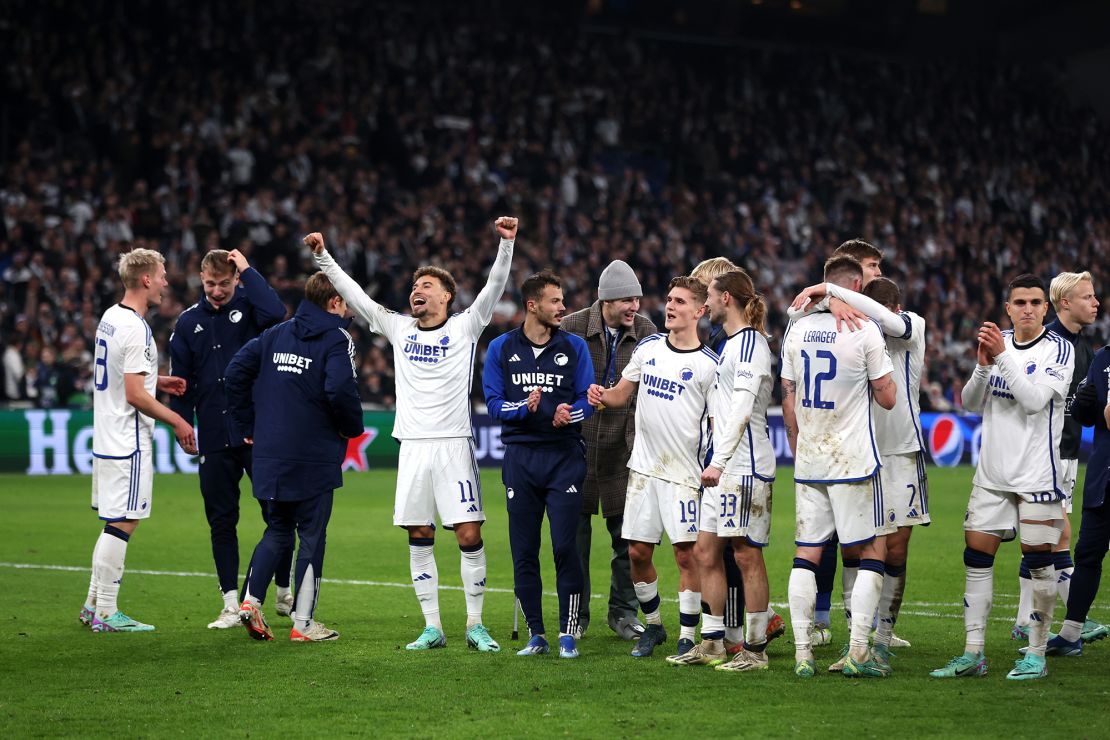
(675, 387)
(419, 352)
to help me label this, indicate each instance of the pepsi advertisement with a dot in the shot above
(950, 439)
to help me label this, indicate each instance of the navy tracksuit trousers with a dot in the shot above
(1090, 550)
(220, 473)
(538, 479)
(308, 519)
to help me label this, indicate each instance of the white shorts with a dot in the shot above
(1068, 473)
(121, 489)
(653, 506)
(905, 488)
(740, 506)
(437, 476)
(855, 512)
(1000, 512)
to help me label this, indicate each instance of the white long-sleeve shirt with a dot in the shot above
(741, 444)
(435, 366)
(1021, 398)
(898, 431)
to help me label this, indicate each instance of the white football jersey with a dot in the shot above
(898, 430)
(745, 367)
(672, 409)
(434, 367)
(832, 371)
(124, 344)
(1020, 452)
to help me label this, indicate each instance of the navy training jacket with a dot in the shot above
(204, 341)
(563, 369)
(293, 389)
(1088, 410)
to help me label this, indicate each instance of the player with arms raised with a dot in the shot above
(437, 473)
(125, 379)
(838, 488)
(673, 375)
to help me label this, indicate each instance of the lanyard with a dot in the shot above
(611, 366)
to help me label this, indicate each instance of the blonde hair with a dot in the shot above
(712, 268)
(1063, 284)
(136, 263)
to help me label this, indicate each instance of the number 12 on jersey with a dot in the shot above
(811, 391)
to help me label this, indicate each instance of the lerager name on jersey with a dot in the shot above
(822, 337)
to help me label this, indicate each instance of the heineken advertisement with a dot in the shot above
(59, 442)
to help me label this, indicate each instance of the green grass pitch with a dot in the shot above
(60, 679)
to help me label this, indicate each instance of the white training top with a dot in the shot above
(898, 431)
(741, 442)
(434, 367)
(832, 371)
(672, 408)
(124, 344)
(1021, 398)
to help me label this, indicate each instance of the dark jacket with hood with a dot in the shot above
(294, 391)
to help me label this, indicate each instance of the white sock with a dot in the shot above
(1071, 630)
(307, 591)
(689, 610)
(645, 593)
(472, 568)
(802, 595)
(1025, 601)
(978, 592)
(848, 581)
(90, 600)
(282, 592)
(231, 600)
(712, 624)
(425, 581)
(108, 568)
(865, 599)
(1044, 603)
(734, 634)
(1063, 583)
(890, 602)
(756, 638)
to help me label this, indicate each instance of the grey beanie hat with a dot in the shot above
(618, 281)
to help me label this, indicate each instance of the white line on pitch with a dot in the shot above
(391, 584)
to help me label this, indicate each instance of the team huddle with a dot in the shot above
(668, 431)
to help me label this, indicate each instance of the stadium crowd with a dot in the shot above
(183, 127)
